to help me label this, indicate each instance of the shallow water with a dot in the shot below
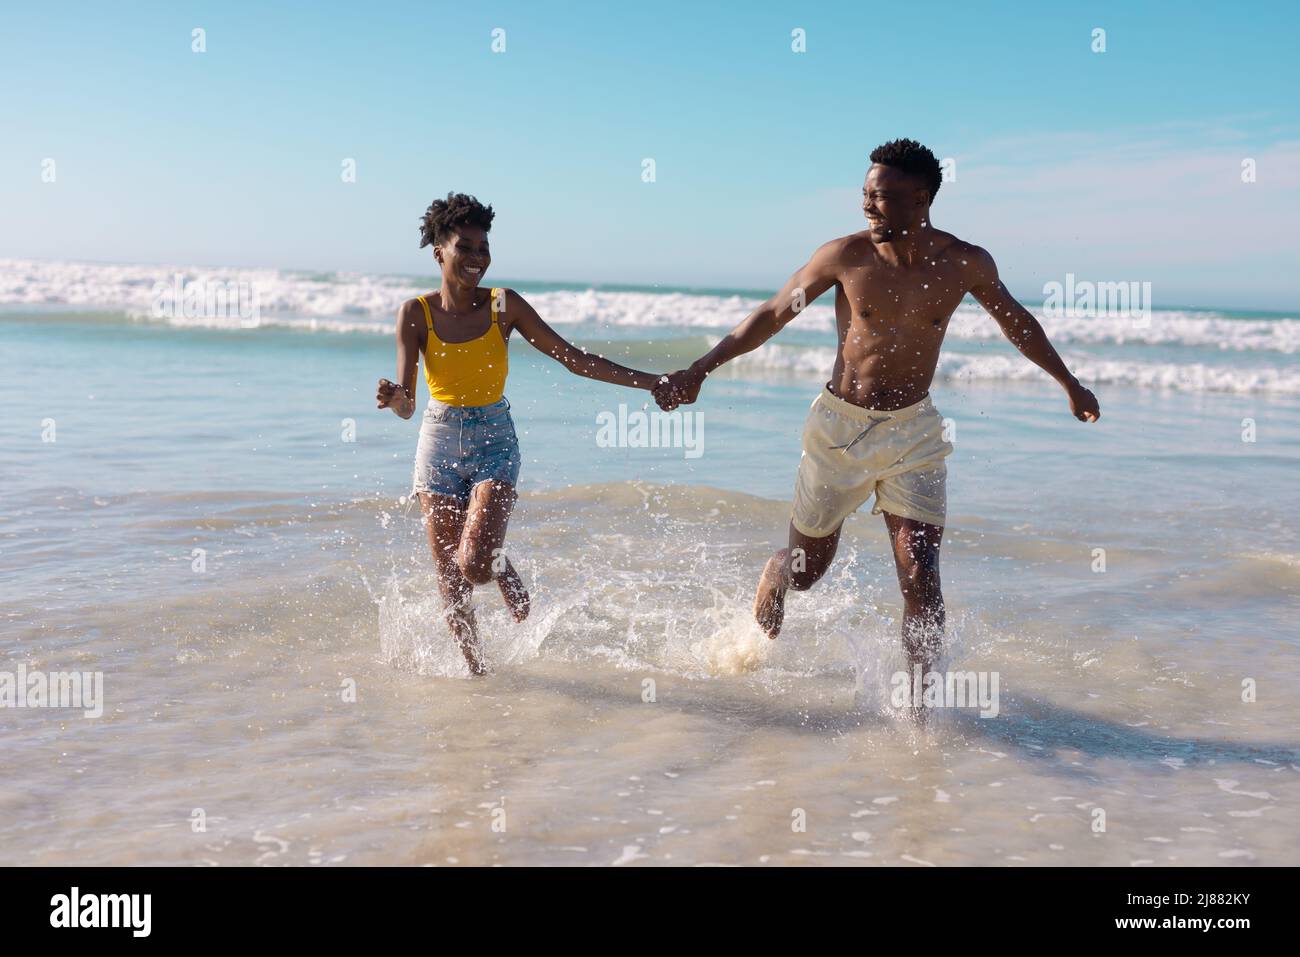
(1120, 691)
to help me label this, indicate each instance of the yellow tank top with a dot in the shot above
(466, 373)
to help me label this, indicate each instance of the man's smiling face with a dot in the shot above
(895, 203)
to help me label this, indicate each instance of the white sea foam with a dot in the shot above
(817, 362)
(360, 303)
(357, 302)
(132, 289)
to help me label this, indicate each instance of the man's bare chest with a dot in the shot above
(893, 302)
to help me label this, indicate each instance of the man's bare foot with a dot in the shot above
(769, 601)
(477, 668)
(919, 711)
(513, 591)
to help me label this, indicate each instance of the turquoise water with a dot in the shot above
(147, 413)
(149, 409)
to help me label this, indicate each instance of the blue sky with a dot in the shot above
(1122, 165)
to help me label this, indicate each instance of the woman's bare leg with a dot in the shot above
(479, 554)
(444, 519)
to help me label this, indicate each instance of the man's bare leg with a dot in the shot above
(444, 519)
(799, 565)
(916, 558)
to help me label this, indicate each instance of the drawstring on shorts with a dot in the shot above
(844, 449)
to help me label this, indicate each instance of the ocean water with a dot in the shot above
(209, 511)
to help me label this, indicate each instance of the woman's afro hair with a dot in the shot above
(445, 216)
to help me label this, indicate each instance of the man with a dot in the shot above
(873, 428)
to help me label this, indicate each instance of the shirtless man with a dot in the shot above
(873, 428)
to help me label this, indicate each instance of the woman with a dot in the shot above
(467, 460)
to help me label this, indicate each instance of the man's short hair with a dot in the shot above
(911, 157)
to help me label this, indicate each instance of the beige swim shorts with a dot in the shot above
(850, 452)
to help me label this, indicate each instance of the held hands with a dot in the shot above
(1083, 404)
(680, 387)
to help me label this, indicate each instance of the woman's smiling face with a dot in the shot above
(464, 255)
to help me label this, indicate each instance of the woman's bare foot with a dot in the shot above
(769, 602)
(513, 591)
(464, 631)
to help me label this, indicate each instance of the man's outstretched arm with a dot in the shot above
(762, 324)
(1027, 335)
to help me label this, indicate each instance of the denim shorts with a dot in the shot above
(461, 446)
